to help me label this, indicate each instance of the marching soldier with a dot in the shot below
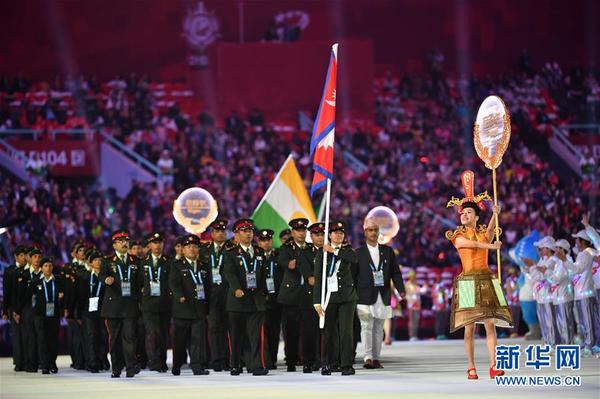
(377, 267)
(10, 306)
(120, 305)
(47, 293)
(155, 302)
(90, 293)
(75, 335)
(25, 312)
(212, 255)
(245, 274)
(190, 284)
(284, 236)
(273, 279)
(292, 291)
(136, 249)
(310, 319)
(340, 288)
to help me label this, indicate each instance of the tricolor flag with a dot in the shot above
(286, 199)
(321, 143)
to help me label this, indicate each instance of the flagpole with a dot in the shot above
(324, 266)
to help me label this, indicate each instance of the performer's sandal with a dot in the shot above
(472, 376)
(496, 372)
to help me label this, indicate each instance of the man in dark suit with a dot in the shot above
(190, 283)
(212, 254)
(292, 292)
(245, 273)
(10, 306)
(341, 270)
(377, 267)
(153, 281)
(273, 278)
(119, 272)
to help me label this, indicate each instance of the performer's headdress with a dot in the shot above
(470, 199)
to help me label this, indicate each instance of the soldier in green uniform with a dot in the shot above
(10, 306)
(245, 273)
(341, 271)
(273, 279)
(75, 336)
(120, 305)
(212, 254)
(153, 281)
(310, 319)
(292, 293)
(190, 283)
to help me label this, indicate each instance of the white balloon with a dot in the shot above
(387, 221)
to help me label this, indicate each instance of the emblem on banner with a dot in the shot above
(200, 28)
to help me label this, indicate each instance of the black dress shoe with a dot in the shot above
(45, 371)
(325, 370)
(19, 368)
(30, 370)
(164, 368)
(115, 374)
(93, 370)
(307, 369)
(201, 372)
(348, 371)
(335, 369)
(54, 369)
(131, 373)
(291, 368)
(260, 371)
(176, 371)
(236, 371)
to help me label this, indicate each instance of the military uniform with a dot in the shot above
(341, 268)
(310, 318)
(190, 280)
(90, 294)
(47, 305)
(293, 295)
(273, 278)
(25, 278)
(212, 256)
(75, 335)
(153, 282)
(245, 270)
(10, 305)
(121, 308)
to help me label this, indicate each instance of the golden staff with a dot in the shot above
(491, 135)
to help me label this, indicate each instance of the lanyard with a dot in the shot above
(128, 273)
(197, 280)
(46, 290)
(373, 266)
(152, 277)
(332, 266)
(212, 260)
(246, 265)
(92, 285)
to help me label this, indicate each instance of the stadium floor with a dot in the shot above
(424, 369)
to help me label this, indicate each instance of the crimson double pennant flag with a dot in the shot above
(323, 135)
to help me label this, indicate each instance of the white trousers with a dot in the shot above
(371, 335)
